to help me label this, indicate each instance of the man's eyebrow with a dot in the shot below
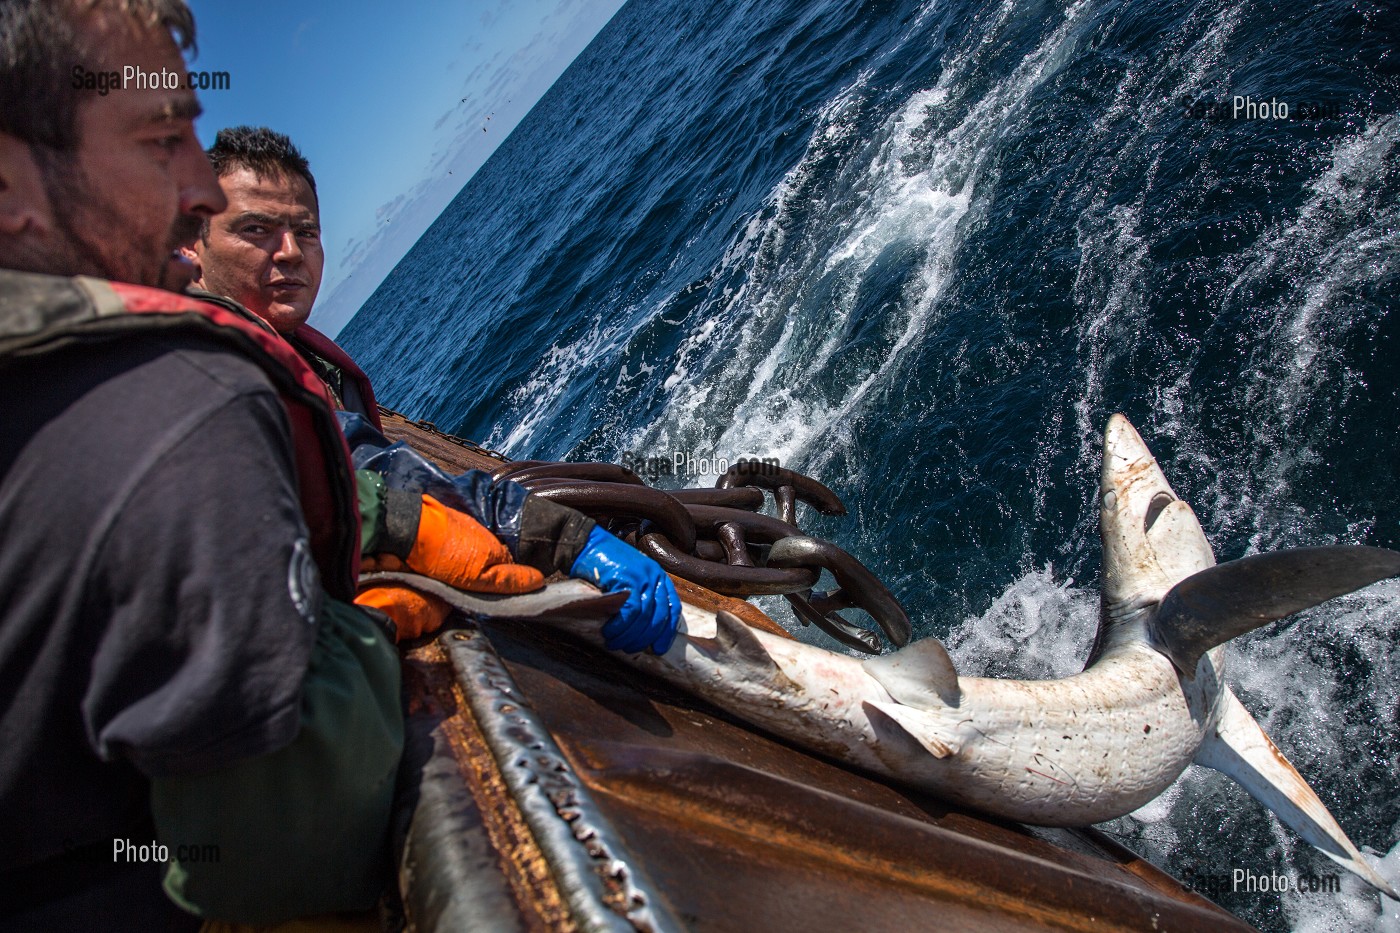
(256, 217)
(178, 108)
(270, 220)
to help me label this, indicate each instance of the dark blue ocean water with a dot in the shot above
(922, 251)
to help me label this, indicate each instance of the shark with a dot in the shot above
(1151, 700)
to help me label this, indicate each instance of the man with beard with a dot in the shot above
(188, 698)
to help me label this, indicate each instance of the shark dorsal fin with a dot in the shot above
(737, 640)
(1211, 607)
(921, 675)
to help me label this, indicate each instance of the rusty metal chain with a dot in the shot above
(719, 539)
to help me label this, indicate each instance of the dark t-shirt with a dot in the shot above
(157, 604)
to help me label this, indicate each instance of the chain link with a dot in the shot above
(719, 539)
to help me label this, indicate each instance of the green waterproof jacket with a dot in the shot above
(303, 830)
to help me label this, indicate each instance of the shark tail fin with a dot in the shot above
(1240, 749)
(1211, 607)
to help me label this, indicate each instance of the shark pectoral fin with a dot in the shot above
(1211, 607)
(920, 675)
(1242, 750)
(931, 732)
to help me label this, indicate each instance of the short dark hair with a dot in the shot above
(263, 151)
(40, 45)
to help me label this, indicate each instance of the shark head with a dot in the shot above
(1151, 539)
(1159, 570)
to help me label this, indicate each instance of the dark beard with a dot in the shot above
(67, 187)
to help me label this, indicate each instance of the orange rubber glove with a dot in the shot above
(415, 614)
(458, 550)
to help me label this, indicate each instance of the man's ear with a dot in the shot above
(24, 204)
(192, 254)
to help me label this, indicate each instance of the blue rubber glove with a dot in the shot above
(652, 611)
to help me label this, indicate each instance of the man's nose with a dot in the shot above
(201, 194)
(288, 249)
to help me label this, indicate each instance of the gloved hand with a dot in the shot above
(652, 611)
(414, 613)
(458, 550)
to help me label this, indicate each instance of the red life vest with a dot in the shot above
(327, 349)
(41, 311)
(307, 340)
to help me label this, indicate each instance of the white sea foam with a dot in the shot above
(538, 401)
(1115, 263)
(1037, 629)
(1345, 233)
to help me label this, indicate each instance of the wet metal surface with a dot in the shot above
(469, 861)
(605, 891)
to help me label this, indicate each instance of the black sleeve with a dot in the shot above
(551, 535)
(213, 597)
(388, 517)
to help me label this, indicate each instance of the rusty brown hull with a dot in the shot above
(561, 790)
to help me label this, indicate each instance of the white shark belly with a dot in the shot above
(1075, 751)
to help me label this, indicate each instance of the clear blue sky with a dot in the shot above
(385, 100)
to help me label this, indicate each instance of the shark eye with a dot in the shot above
(1155, 508)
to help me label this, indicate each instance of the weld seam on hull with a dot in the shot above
(577, 840)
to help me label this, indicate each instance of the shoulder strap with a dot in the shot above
(328, 350)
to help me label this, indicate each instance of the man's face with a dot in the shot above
(265, 250)
(138, 185)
